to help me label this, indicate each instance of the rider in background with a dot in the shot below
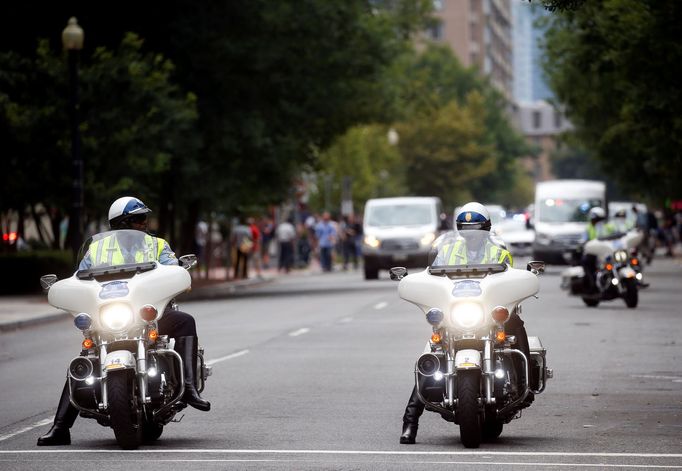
(596, 228)
(474, 244)
(131, 213)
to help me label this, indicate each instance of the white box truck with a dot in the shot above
(560, 216)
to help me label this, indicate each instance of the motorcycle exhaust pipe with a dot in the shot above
(428, 364)
(80, 368)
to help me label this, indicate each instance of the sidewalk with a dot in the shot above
(22, 311)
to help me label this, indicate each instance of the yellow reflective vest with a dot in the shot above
(456, 254)
(107, 251)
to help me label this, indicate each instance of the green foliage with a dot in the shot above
(364, 154)
(616, 65)
(137, 128)
(444, 150)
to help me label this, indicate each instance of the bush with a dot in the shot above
(22, 270)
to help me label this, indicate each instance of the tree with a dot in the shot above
(444, 150)
(137, 129)
(615, 64)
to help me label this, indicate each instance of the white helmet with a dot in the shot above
(124, 208)
(596, 213)
(473, 216)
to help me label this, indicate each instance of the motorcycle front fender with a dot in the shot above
(119, 360)
(626, 272)
(468, 360)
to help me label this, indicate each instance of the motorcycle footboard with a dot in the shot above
(429, 404)
(538, 361)
(181, 386)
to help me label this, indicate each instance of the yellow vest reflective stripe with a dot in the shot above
(107, 251)
(456, 254)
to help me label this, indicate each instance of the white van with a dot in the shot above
(399, 232)
(560, 216)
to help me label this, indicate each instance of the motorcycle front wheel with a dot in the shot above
(468, 414)
(125, 419)
(631, 296)
(151, 431)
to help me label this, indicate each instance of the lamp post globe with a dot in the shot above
(72, 36)
(72, 40)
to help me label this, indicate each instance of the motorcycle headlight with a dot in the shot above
(467, 315)
(372, 241)
(116, 316)
(620, 256)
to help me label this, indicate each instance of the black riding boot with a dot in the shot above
(414, 410)
(187, 348)
(63, 420)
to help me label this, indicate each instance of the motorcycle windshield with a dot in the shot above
(116, 248)
(470, 248)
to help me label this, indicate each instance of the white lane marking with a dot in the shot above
(359, 452)
(674, 379)
(227, 357)
(298, 332)
(26, 429)
(478, 463)
(380, 305)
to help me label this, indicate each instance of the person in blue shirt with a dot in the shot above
(131, 213)
(325, 232)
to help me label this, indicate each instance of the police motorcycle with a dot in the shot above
(619, 270)
(127, 376)
(466, 372)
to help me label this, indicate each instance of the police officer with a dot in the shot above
(475, 243)
(597, 227)
(131, 213)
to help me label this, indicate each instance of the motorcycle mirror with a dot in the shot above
(188, 261)
(536, 267)
(46, 281)
(398, 273)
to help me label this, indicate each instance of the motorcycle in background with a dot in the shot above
(126, 376)
(619, 270)
(466, 372)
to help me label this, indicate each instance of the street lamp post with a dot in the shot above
(72, 40)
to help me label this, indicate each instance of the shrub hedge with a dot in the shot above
(21, 271)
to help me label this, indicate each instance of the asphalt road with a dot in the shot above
(313, 372)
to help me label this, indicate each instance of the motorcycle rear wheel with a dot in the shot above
(631, 296)
(125, 419)
(468, 413)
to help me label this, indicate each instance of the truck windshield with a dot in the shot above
(400, 215)
(566, 210)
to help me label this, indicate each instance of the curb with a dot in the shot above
(209, 292)
(43, 319)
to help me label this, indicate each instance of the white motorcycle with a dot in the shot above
(466, 372)
(126, 375)
(618, 270)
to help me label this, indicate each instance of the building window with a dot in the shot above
(436, 32)
(437, 5)
(537, 119)
(557, 119)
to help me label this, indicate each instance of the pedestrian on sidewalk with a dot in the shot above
(286, 236)
(326, 234)
(242, 245)
(256, 250)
